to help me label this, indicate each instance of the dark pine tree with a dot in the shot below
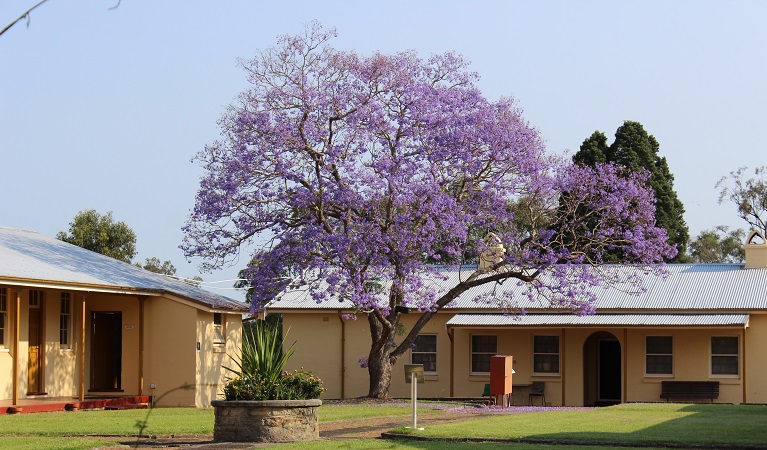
(634, 149)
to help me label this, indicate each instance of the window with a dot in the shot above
(219, 330)
(546, 354)
(65, 320)
(482, 348)
(3, 315)
(425, 352)
(659, 355)
(724, 355)
(35, 299)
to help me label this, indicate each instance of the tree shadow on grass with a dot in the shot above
(700, 425)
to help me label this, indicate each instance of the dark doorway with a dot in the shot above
(602, 370)
(609, 371)
(106, 351)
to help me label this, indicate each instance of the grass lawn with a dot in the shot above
(375, 444)
(122, 423)
(161, 421)
(662, 423)
(70, 430)
(638, 424)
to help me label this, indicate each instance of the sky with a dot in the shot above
(105, 108)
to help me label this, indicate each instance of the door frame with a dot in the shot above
(114, 347)
(39, 309)
(600, 341)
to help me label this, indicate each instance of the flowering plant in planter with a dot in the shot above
(260, 370)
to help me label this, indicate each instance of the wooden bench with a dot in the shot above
(689, 390)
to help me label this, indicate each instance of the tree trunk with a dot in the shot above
(379, 369)
(379, 358)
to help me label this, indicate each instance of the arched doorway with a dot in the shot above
(602, 370)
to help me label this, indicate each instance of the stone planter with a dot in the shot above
(266, 420)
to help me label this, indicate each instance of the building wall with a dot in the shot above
(182, 375)
(756, 359)
(128, 306)
(6, 355)
(170, 352)
(55, 358)
(211, 376)
(318, 348)
(317, 339)
(60, 363)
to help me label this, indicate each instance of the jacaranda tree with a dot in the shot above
(360, 170)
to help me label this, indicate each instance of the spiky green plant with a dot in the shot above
(263, 356)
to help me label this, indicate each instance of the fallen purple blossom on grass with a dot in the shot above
(516, 409)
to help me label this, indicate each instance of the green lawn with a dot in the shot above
(696, 424)
(123, 423)
(375, 444)
(637, 424)
(70, 430)
(160, 421)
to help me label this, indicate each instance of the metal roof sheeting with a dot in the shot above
(685, 287)
(655, 320)
(26, 256)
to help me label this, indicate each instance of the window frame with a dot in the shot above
(535, 353)
(715, 355)
(473, 352)
(414, 352)
(219, 331)
(35, 299)
(3, 318)
(669, 355)
(65, 321)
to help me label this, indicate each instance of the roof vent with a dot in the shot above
(756, 250)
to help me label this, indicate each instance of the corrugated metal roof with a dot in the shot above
(685, 287)
(706, 320)
(26, 255)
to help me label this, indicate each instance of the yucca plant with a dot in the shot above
(259, 372)
(263, 356)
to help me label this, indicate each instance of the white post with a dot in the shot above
(414, 393)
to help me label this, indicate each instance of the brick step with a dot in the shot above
(122, 407)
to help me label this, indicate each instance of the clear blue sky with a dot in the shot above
(104, 109)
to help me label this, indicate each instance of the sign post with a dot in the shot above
(414, 375)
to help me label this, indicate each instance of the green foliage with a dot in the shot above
(289, 386)
(101, 234)
(262, 355)
(718, 245)
(593, 150)
(634, 149)
(154, 265)
(260, 369)
(748, 195)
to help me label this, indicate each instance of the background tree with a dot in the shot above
(718, 245)
(154, 265)
(634, 149)
(748, 195)
(101, 234)
(357, 170)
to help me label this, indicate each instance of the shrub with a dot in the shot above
(259, 372)
(289, 386)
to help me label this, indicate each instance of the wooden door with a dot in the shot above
(36, 351)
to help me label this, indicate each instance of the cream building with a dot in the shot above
(702, 322)
(74, 323)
